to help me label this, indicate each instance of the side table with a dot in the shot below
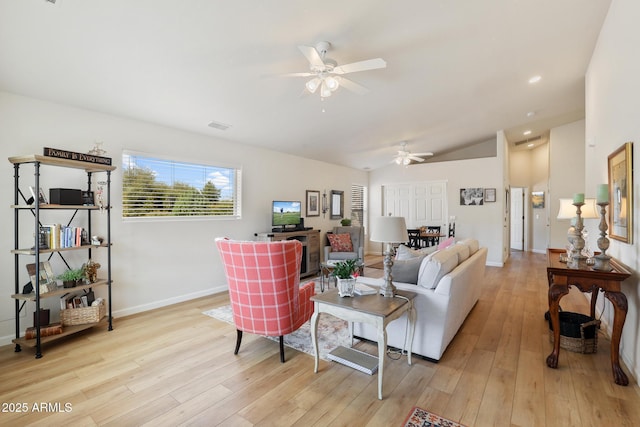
(373, 309)
(587, 280)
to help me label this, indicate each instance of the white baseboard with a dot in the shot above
(6, 340)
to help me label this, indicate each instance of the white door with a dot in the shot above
(517, 218)
(423, 203)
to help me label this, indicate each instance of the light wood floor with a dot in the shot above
(176, 366)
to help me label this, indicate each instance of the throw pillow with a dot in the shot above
(406, 270)
(445, 244)
(436, 267)
(404, 252)
(463, 251)
(340, 242)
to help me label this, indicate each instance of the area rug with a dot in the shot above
(332, 332)
(377, 265)
(421, 418)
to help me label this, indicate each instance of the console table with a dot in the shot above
(561, 278)
(373, 309)
(310, 239)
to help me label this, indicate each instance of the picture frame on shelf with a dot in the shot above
(489, 195)
(537, 199)
(620, 170)
(42, 199)
(87, 198)
(313, 203)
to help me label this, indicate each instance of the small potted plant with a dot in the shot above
(345, 222)
(344, 271)
(70, 278)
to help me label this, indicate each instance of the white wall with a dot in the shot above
(566, 175)
(484, 223)
(612, 106)
(154, 263)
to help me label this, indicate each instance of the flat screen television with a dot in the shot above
(285, 213)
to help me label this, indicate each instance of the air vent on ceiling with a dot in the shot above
(218, 125)
(528, 140)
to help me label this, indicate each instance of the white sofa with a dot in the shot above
(446, 294)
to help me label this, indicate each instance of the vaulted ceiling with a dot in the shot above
(457, 70)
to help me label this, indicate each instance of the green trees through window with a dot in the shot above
(154, 187)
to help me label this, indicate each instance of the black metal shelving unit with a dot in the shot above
(21, 205)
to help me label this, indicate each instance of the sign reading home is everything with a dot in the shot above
(82, 157)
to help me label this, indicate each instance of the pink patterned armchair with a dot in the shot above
(264, 287)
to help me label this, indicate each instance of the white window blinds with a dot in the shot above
(155, 187)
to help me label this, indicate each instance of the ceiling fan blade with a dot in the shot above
(353, 86)
(312, 56)
(422, 154)
(415, 159)
(369, 64)
(297, 75)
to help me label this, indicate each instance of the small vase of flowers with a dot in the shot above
(345, 274)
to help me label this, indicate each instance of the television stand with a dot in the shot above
(310, 239)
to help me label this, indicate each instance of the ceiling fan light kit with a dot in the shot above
(326, 74)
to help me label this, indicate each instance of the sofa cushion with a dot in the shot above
(435, 266)
(406, 270)
(404, 252)
(473, 245)
(463, 252)
(340, 242)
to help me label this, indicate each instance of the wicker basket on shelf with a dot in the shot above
(578, 332)
(83, 315)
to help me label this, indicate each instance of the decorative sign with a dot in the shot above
(82, 157)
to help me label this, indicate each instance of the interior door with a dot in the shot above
(423, 203)
(517, 218)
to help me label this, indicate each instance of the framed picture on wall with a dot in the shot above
(489, 195)
(621, 193)
(313, 203)
(337, 204)
(471, 196)
(537, 199)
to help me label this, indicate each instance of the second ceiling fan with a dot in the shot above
(405, 157)
(327, 76)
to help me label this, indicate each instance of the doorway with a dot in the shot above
(518, 218)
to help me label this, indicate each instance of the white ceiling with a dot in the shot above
(457, 70)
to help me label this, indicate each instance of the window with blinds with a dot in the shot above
(358, 204)
(162, 188)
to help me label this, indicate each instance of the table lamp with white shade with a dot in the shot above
(389, 230)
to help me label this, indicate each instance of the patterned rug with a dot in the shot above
(332, 332)
(421, 418)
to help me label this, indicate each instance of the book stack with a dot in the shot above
(45, 331)
(57, 236)
(362, 289)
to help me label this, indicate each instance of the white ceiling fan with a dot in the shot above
(327, 75)
(405, 157)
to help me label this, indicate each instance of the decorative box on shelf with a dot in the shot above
(83, 315)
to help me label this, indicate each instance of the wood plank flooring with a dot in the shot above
(175, 366)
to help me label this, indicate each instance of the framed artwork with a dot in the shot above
(620, 166)
(42, 199)
(489, 195)
(471, 196)
(537, 199)
(313, 203)
(337, 204)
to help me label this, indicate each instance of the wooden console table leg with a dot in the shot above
(556, 292)
(619, 301)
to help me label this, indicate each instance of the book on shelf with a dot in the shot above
(355, 359)
(362, 289)
(45, 331)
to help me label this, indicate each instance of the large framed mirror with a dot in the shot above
(337, 204)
